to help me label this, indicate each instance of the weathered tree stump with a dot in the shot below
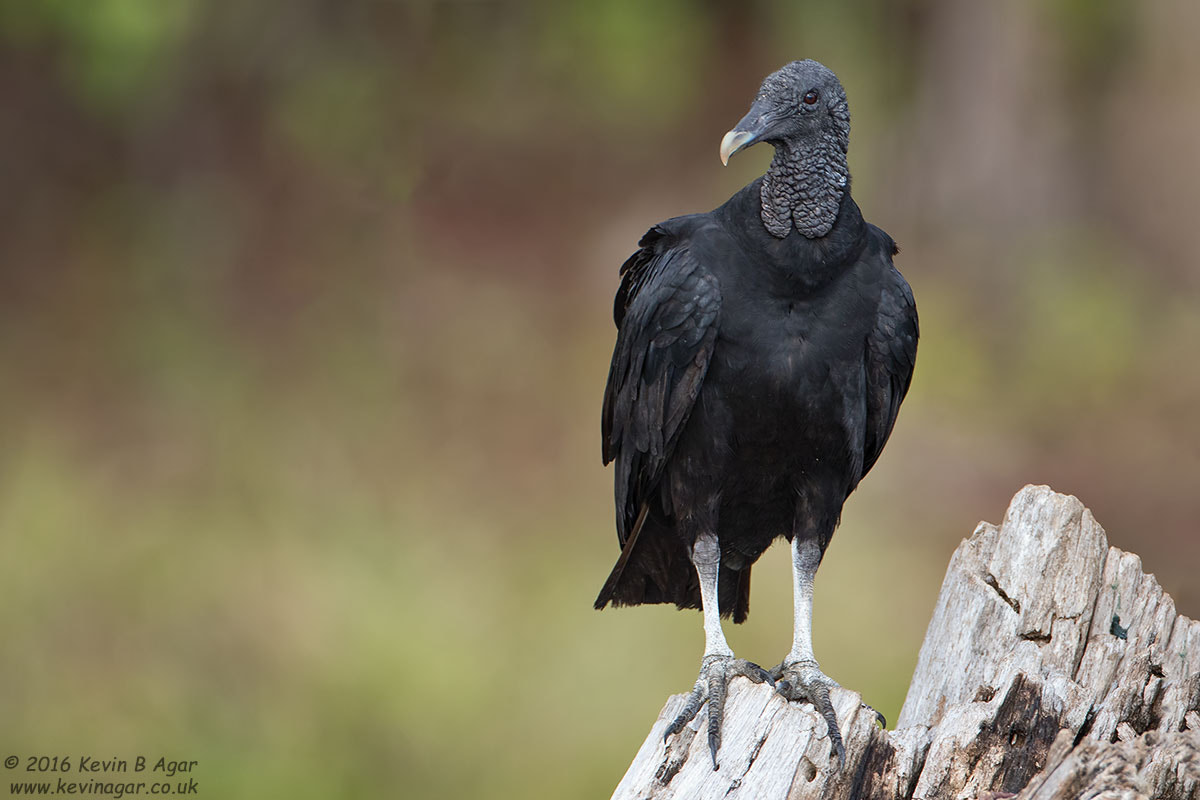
(1053, 667)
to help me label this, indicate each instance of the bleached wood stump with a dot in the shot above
(1053, 667)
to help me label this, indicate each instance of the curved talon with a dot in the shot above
(804, 681)
(690, 709)
(712, 687)
(825, 706)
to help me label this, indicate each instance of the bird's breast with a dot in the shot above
(769, 369)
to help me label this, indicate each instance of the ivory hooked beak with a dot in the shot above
(733, 141)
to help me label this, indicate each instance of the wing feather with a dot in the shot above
(666, 312)
(891, 355)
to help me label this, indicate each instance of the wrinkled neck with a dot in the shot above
(804, 187)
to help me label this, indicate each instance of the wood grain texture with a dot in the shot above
(1053, 667)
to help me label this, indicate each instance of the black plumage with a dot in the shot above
(762, 353)
(760, 373)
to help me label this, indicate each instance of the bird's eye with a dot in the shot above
(810, 96)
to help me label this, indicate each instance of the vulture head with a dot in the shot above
(801, 110)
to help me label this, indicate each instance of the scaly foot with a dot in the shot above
(803, 680)
(712, 686)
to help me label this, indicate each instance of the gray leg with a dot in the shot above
(799, 677)
(718, 666)
(706, 555)
(806, 557)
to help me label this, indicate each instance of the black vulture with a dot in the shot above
(763, 350)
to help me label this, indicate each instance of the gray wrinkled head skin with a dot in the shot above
(808, 176)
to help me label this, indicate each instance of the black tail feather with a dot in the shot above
(614, 577)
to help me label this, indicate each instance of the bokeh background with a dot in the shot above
(305, 320)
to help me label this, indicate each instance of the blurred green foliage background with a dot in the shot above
(305, 319)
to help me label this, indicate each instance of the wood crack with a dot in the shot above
(1013, 603)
